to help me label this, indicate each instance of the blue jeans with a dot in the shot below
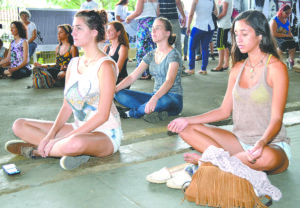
(186, 41)
(136, 101)
(32, 46)
(204, 37)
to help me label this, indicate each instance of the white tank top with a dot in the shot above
(149, 10)
(82, 94)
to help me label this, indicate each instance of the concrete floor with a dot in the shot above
(119, 180)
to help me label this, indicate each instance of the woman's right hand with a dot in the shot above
(42, 145)
(188, 31)
(178, 125)
(37, 64)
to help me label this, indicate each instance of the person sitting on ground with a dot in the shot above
(118, 48)
(64, 51)
(17, 54)
(3, 52)
(90, 86)
(256, 96)
(31, 31)
(166, 99)
(280, 28)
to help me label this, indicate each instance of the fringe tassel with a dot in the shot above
(211, 186)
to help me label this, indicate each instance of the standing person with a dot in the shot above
(145, 12)
(224, 25)
(31, 31)
(121, 10)
(201, 33)
(256, 96)
(89, 91)
(89, 5)
(64, 51)
(183, 32)
(17, 53)
(163, 62)
(118, 48)
(281, 30)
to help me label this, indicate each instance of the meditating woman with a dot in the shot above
(118, 48)
(89, 92)
(256, 96)
(65, 51)
(17, 54)
(163, 62)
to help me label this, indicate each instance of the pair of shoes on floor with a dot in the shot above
(175, 181)
(190, 72)
(72, 162)
(202, 72)
(122, 111)
(155, 117)
(19, 147)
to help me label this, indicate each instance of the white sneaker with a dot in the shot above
(177, 181)
(69, 162)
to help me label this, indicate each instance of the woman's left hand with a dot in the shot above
(256, 151)
(49, 146)
(150, 106)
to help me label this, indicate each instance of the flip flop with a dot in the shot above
(161, 176)
(179, 180)
(215, 70)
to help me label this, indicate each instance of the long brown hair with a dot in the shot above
(122, 38)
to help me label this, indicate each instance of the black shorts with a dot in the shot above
(222, 37)
(285, 43)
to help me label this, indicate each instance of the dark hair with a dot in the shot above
(21, 29)
(25, 12)
(168, 27)
(1, 42)
(94, 20)
(68, 30)
(259, 23)
(283, 8)
(122, 38)
(122, 2)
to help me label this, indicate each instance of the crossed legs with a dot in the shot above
(33, 131)
(200, 137)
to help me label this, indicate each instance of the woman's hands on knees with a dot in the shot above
(178, 125)
(256, 152)
(151, 105)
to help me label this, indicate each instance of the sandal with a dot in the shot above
(147, 77)
(177, 181)
(202, 72)
(161, 176)
(19, 147)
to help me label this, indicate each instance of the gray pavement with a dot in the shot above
(119, 180)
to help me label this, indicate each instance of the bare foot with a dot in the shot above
(192, 158)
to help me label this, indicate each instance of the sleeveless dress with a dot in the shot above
(252, 111)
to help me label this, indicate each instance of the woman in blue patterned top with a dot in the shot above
(163, 62)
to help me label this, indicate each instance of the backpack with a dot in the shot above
(42, 78)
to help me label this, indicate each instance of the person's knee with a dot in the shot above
(74, 145)
(18, 126)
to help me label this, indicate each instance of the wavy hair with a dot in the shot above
(68, 30)
(22, 31)
(259, 23)
(95, 21)
(122, 38)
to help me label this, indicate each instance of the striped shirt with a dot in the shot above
(168, 9)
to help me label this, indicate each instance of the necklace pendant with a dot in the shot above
(251, 70)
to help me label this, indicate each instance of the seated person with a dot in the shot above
(65, 51)
(118, 48)
(281, 31)
(3, 51)
(17, 54)
(163, 62)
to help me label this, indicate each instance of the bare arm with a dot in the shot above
(132, 77)
(118, 17)
(166, 86)
(6, 58)
(123, 55)
(224, 10)
(191, 16)
(273, 27)
(138, 10)
(33, 36)
(179, 6)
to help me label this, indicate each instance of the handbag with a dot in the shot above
(210, 186)
(42, 78)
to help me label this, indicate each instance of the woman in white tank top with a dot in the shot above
(89, 92)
